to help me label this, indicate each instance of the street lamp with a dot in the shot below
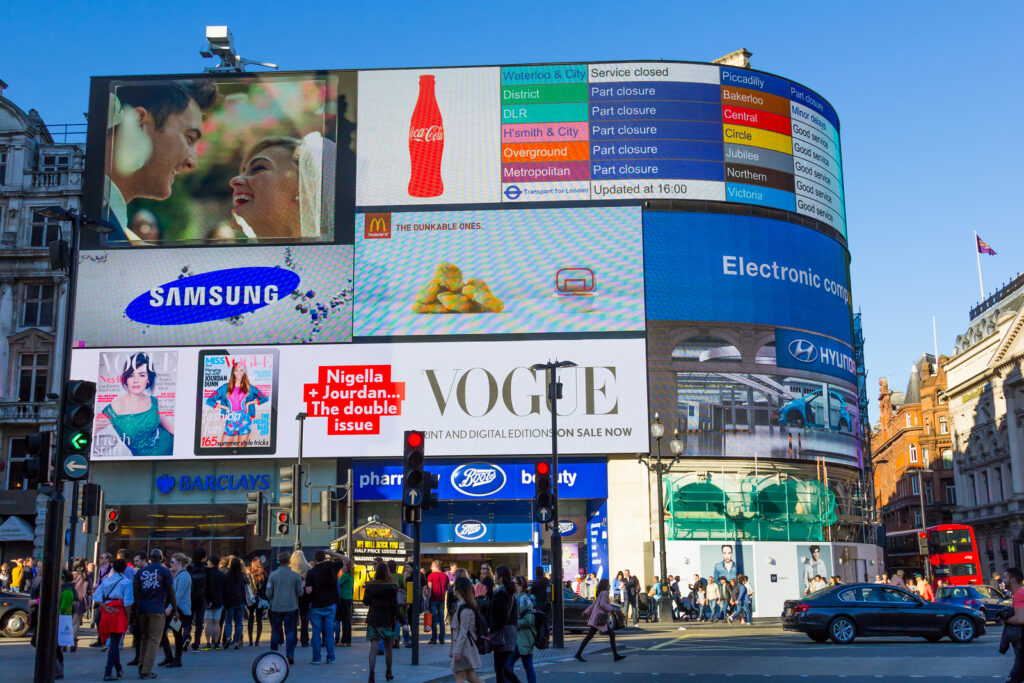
(555, 393)
(53, 550)
(921, 471)
(661, 469)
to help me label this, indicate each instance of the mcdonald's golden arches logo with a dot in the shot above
(377, 226)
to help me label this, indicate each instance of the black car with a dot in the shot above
(849, 610)
(572, 610)
(14, 614)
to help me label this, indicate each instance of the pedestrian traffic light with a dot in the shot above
(254, 512)
(112, 521)
(37, 453)
(543, 497)
(78, 414)
(289, 498)
(413, 476)
(283, 519)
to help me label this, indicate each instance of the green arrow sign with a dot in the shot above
(79, 441)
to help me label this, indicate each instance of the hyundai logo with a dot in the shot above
(470, 530)
(803, 350)
(478, 479)
(210, 296)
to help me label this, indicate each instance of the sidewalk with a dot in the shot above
(234, 666)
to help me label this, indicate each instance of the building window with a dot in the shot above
(926, 457)
(947, 459)
(917, 517)
(928, 494)
(984, 498)
(943, 426)
(907, 416)
(913, 452)
(44, 230)
(16, 465)
(3, 166)
(38, 310)
(55, 162)
(34, 377)
(950, 493)
(998, 490)
(915, 486)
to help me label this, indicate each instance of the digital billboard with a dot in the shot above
(493, 272)
(746, 269)
(471, 398)
(246, 158)
(239, 295)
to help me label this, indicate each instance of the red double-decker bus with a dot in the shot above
(952, 553)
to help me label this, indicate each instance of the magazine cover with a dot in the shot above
(236, 412)
(135, 401)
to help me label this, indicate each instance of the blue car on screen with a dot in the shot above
(810, 410)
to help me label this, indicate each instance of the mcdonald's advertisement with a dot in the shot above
(499, 272)
(239, 295)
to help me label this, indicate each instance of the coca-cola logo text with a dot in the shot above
(426, 133)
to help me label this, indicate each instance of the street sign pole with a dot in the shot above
(417, 591)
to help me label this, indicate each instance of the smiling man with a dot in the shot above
(152, 136)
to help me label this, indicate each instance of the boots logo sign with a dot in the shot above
(478, 479)
(470, 530)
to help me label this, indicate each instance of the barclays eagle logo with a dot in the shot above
(803, 350)
(165, 483)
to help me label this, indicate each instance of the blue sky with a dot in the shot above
(928, 97)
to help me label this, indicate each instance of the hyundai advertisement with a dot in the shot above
(494, 272)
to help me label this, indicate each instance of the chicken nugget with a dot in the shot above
(478, 291)
(458, 303)
(428, 295)
(429, 308)
(449, 276)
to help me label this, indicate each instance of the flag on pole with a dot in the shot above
(983, 247)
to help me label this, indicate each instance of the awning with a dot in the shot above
(16, 529)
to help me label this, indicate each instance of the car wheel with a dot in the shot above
(962, 629)
(15, 625)
(818, 637)
(842, 630)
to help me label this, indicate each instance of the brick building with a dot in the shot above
(912, 458)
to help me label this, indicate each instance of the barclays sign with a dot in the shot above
(470, 530)
(166, 483)
(478, 479)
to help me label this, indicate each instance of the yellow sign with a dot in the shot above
(975, 392)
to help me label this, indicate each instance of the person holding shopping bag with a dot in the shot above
(600, 619)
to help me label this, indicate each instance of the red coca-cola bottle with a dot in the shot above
(426, 143)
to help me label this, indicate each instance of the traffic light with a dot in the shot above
(288, 498)
(37, 452)
(283, 519)
(430, 484)
(111, 521)
(326, 506)
(413, 476)
(78, 414)
(254, 512)
(543, 497)
(922, 543)
(90, 504)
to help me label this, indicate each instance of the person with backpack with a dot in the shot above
(526, 630)
(600, 619)
(504, 620)
(468, 633)
(197, 571)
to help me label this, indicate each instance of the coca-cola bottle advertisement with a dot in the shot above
(426, 143)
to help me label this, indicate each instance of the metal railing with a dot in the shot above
(20, 410)
(1001, 294)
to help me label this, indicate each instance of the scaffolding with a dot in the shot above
(728, 507)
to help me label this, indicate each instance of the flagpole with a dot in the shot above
(935, 341)
(977, 253)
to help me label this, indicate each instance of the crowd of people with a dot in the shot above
(706, 599)
(18, 574)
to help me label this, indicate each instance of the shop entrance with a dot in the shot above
(471, 557)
